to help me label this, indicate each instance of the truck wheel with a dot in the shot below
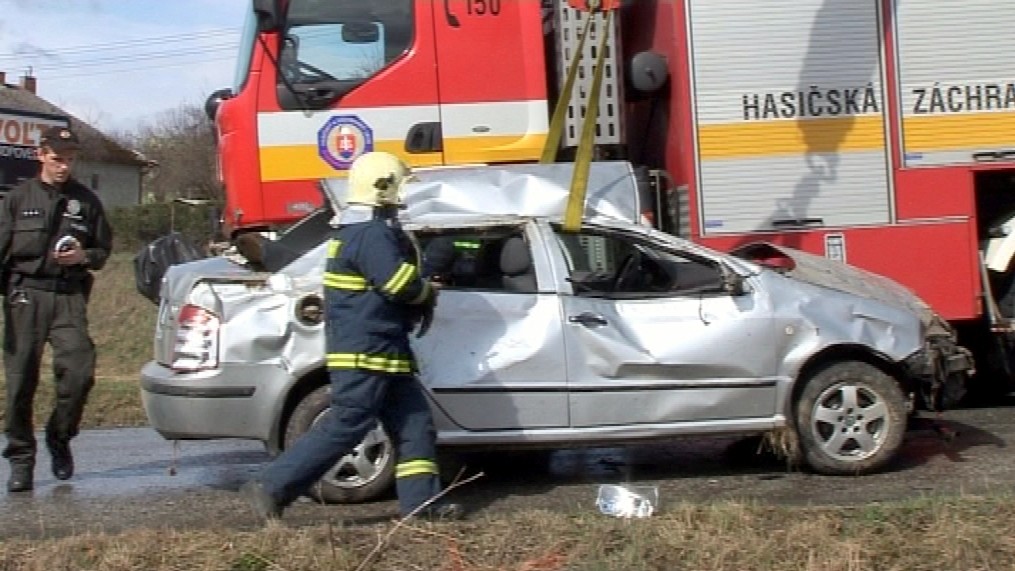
(362, 475)
(851, 418)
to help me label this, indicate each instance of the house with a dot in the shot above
(112, 171)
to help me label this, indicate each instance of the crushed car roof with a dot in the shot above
(527, 190)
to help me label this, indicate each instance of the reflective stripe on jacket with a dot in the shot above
(370, 282)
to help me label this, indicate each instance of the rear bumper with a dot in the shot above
(234, 401)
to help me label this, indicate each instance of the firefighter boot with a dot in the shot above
(261, 501)
(443, 512)
(62, 459)
(21, 477)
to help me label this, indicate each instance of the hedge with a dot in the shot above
(135, 226)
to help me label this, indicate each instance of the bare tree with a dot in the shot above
(180, 146)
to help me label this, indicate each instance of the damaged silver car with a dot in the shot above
(546, 338)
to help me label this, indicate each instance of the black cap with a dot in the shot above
(60, 139)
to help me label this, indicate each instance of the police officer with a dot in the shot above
(53, 231)
(373, 291)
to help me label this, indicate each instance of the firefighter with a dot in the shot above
(439, 259)
(374, 295)
(53, 232)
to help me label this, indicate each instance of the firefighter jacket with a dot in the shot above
(35, 215)
(372, 289)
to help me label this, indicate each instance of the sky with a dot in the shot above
(118, 64)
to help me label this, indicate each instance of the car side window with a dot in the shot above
(615, 265)
(478, 259)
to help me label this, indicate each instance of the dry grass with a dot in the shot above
(122, 324)
(965, 534)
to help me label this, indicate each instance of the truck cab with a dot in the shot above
(321, 83)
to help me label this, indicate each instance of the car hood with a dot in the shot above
(831, 274)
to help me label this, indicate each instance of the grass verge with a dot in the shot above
(970, 533)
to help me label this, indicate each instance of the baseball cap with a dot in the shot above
(59, 139)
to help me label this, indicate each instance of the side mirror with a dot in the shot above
(733, 282)
(211, 105)
(360, 33)
(267, 15)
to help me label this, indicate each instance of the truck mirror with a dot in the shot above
(211, 105)
(267, 15)
(290, 46)
(648, 71)
(360, 33)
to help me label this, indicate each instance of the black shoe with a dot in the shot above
(21, 478)
(260, 501)
(443, 512)
(62, 460)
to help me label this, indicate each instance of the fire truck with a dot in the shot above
(877, 132)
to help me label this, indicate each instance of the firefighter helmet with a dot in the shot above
(378, 179)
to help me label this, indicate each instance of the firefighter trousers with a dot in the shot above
(33, 317)
(358, 400)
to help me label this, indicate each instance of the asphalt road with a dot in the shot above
(126, 479)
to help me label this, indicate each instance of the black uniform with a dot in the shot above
(47, 302)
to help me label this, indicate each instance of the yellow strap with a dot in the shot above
(416, 468)
(583, 158)
(348, 282)
(560, 111)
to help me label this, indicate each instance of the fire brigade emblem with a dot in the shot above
(342, 139)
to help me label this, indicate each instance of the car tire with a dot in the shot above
(851, 418)
(362, 475)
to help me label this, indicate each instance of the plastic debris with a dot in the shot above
(627, 501)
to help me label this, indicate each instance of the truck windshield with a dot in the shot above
(246, 51)
(343, 41)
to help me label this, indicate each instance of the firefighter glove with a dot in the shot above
(424, 312)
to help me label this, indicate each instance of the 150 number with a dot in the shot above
(483, 7)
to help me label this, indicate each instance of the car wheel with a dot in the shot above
(363, 474)
(851, 418)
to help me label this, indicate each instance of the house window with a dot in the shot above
(95, 181)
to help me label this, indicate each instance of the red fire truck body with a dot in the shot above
(878, 132)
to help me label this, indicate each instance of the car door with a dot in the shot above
(494, 358)
(653, 336)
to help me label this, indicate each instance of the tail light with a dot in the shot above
(197, 340)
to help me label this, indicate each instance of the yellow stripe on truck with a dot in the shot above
(499, 149)
(300, 162)
(958, 132)
(781, 138)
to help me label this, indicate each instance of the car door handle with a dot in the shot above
(588, 319)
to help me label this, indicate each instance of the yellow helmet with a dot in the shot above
(378, 179)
